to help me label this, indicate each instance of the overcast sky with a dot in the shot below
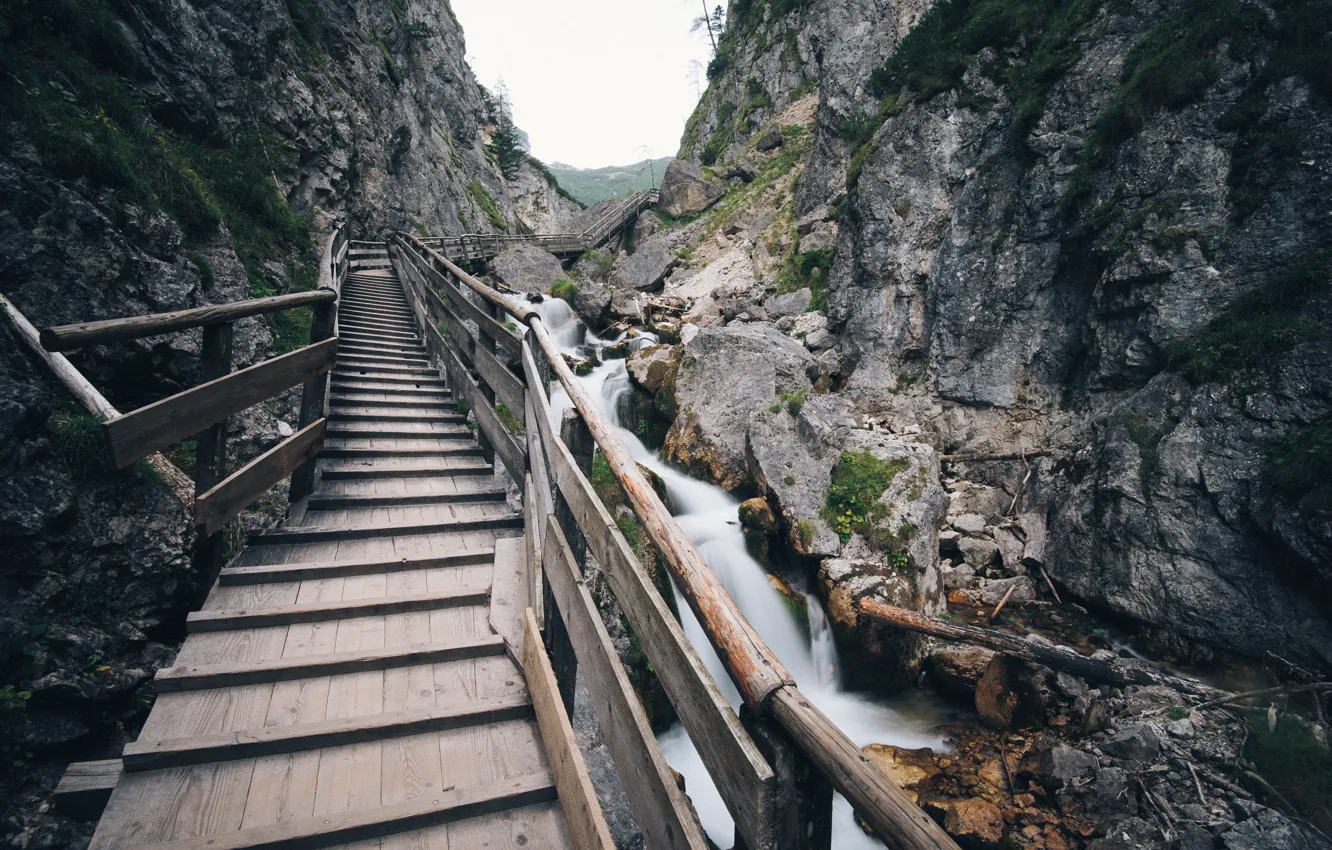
(591, 81)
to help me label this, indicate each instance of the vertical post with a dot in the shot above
(314, 399)
(210, 464)
(579, 440)
(804, 794)
(485, 341)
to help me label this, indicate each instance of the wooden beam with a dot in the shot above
(509, 599)
(578, 799)
(86, 786)
(743, 776)
(1061, 658)
(192, 677)
(665, 816)
(513, 456)
(277, 573)
(378, 821)
(223, 503)
(277, 740)
(221, 620)
(83, 334)
(506, 385)
(158, 425)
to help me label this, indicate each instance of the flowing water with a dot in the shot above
(709, 516)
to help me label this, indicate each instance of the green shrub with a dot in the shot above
(76, 438)
(721, 137)
(795, 402)
(508, 419)
(564, 289)
(1297, 467)
(1294, 762)
(858, 482)
(486, 203)
(1148, 441)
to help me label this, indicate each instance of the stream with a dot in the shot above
(709, 517)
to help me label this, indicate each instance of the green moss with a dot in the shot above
(486, 203)
(1297, 467)
(201, 265)
(807, 269)
(858, 482)
(1294, 762)
(564, 289)
(721, 137)
(794, 402)
(76, 438)
(508, 419)
(1259, 326)
(1148, 440)
(601, 262)
(390, 64)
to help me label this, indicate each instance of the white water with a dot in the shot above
(709, 516)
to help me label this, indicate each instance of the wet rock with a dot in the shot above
(527, 268)
(956, 670)
(593, 303)
(906, 768)
(1136, 742)
(961, 577)
(1013, 695)
(654, 368)
(975, 823)
(686, 190)
(726, 377)
(757, 514)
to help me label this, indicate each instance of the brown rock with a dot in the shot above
(957, 669)
(757, 514)
(975, 823)
(905, 767)
(996, 694)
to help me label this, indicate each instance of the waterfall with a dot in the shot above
(710, 519)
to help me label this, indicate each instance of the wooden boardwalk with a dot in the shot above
(354, 679)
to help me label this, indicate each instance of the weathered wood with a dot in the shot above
(1059, 658)
(509, 599)
(802, 816)
(753, 667)
(211, 449)
(582, 812)
(459, 303)
(314, 396)
(220, 620)
(222, 503)
(507, 387)
(510, 453)
(88, 396)
(83, 334)
(665, 816)
(315, 533)
(86, 786)
(276, 740)
(518, 311)
(391, 819)
(158, 425)
(892, 815)
(311, 571)
(186, 677)
(742, 775)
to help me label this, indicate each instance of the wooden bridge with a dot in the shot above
(395, 665)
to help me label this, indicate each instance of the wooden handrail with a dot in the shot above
(83, 334)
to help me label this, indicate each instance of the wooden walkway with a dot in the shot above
(354, 679)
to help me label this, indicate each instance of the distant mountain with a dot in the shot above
(593, 185)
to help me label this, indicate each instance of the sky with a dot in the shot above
(592, 82)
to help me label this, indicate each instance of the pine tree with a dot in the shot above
(506, 141)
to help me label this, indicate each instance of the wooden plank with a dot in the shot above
(86, 786)
(505, 338)
(219, 620)
(83, 334)
(510, 598)
(506, 385)
(158, 425)
(743, 776)
(311, 534)
(186, 677)
(334, 829)
(510, 453)
(666, 817)
(582, 811)
(277, 740)
(274, 573)
(223, 503)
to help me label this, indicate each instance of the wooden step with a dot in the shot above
(350, 415)
(333, 473)
(279, 573)
(342, 503)
(399, 433)
(468, 449)
(193, 677)
(379, 337)
(369, 375)
(396, 363)
(316, 534)
(421, 388)
(388, 819)
(286, 615)
(394, 314)
(386, 369)
(357, 401)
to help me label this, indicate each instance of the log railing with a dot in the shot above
(202, 411)
(776, 763)
(474, 246)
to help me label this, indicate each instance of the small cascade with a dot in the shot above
(710, 519)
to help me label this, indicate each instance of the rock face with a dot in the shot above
(648, 265)
(1010, 273)
(686, 190)
(527, 268)
(726, 377)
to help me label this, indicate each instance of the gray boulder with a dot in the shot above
(728, 376)
(1061, 765)
(790, 304)
(1136, 742)
(686, 190)
(593, 302)
(527, 268)
(771, 138)
(647, 267)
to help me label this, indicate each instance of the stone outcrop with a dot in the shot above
(527, 268)
(647, 266)
(686, 190)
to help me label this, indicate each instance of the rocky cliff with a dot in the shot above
(1076, 248)
(160, 155)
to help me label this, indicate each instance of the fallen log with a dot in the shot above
(1058, 658)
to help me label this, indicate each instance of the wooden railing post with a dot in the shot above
(314, 399)
(210, 465)
(579, 440)
(804, 795)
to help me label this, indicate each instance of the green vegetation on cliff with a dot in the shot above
(858, 482)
